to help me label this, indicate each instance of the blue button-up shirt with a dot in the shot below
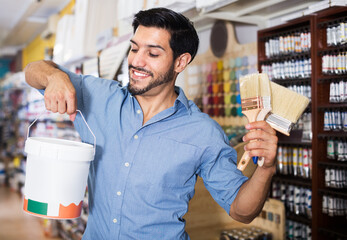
(143, 176)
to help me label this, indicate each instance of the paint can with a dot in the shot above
(56, 176)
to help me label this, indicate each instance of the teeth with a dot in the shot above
(139, 74)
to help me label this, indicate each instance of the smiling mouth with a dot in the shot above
(139, 73)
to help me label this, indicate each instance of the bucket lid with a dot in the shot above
(60, 149)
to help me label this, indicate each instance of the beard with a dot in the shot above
(161, 79)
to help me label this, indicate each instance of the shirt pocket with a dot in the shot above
(166, 162)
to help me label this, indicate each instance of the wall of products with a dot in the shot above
(285, 62)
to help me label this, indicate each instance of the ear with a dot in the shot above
(182, 61)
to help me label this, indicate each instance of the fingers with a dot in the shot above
(262, 141)
(57, 102)
(260, 130)
(261, 149)
(60, 94)
(61, 107)
(261, 125)
(71, 104)
(47, 102)
(260, 134)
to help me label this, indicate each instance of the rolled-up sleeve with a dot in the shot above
(219, 171)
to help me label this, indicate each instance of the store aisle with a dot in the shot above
(14, 223)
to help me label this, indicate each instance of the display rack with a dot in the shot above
(285, 184)
(324, 222)
(326, 226)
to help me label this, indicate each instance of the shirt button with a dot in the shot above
(119, 193)
(138, 111)
(136, 137)
(126, 164)
(114, 220)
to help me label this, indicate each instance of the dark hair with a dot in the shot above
(183, 34)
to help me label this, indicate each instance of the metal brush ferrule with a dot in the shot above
(279, 123)
(266, 101)
(251, 103)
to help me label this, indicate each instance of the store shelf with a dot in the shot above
(325, 106)
(331, 78)
(285, 31)
(327, 134)
(293, 143)
(334, 191)
(293, 81)
(295, 139)
(292, 180)
(324, 24)
(298, 218)
(336, 233)
(333, 163)
(332, 49)
(286, 57)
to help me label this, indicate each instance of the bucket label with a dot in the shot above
(52, 210)
(37, 207)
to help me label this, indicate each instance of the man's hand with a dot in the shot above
(266, 144)
(60, 94)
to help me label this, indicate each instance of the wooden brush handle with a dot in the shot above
(244, 161)
(252, 117)
(261, 117)
(261, 161)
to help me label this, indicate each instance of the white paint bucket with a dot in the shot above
(56, 176)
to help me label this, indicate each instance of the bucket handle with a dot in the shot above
(82, 118)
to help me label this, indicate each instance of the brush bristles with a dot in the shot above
(249, 86)
(287, 103)
(264, 85)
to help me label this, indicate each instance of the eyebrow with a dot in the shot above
(149, 45)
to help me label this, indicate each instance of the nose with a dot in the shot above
(136, 59)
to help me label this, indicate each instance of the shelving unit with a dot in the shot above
(324, 224)
(327, 227)
(284, 183)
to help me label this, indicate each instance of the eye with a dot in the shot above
(153, 55)
(134, 50)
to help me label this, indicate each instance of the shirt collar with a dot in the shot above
(182, 98)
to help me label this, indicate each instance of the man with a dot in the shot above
(152, 142)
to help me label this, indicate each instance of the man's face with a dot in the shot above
(151, 65)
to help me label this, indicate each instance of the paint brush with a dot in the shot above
(251, 104)
(287, 107)
(264, 90)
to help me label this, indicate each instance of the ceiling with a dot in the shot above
(22, 20)
(262, 13)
